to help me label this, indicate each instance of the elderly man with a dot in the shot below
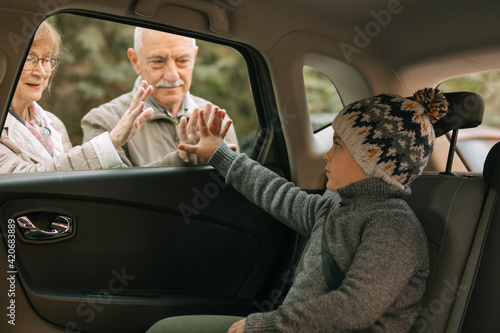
(166, 61)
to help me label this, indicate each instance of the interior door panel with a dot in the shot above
(145, 244)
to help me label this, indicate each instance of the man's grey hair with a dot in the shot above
(138, 39)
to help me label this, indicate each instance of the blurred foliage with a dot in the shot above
(220, 76)
(486, 84)
(95, 69)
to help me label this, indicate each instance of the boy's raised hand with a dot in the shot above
(211, 134)
(189, 135)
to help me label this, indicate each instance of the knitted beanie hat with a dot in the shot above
(391, 137)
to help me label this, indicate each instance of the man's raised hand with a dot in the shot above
(134, 118)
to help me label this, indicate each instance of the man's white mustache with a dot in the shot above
(170, 84)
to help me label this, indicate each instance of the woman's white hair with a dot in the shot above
(138, 39)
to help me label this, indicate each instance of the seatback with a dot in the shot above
(483, 304)
(449, 208)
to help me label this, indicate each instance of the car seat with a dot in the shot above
(482, 303)
(450, 207)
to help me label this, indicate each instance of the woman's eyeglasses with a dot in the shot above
(48, 63)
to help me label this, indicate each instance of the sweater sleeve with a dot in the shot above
(84, 157)
(97, 154)
(385, 262)
(277, 196)
(105, 151)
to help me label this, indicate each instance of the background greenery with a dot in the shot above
(487, 85)
(94, 69)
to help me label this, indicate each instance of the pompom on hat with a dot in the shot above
(392, 137)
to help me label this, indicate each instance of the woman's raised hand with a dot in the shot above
(134, 118)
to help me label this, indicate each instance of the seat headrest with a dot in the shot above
(465, 110)
(491, 171)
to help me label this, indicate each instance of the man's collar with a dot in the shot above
(186, 108)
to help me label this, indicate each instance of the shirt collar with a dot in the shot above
(41, 119)
(188, 105)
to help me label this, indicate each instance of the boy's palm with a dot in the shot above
(211, 134)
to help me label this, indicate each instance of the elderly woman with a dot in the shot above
(36, 140)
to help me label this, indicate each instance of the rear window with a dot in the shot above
(475, 143)
(323, 99)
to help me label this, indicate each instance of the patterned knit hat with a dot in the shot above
(391, 137)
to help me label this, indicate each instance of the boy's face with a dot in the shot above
(341, 167)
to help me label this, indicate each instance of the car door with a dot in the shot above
(135, 251)
(117, 250)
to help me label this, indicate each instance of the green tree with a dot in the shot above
(93, 69)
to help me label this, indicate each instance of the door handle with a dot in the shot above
(62, 226)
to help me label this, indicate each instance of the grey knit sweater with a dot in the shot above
(373, 235)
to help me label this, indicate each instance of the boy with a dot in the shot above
(373, 238)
